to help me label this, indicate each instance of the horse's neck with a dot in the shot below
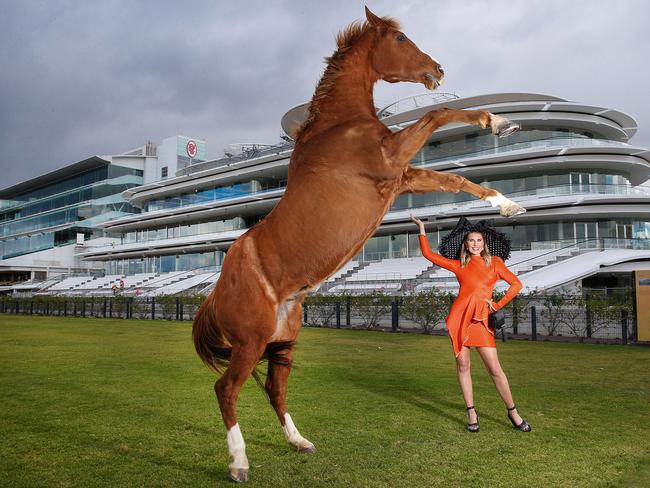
(350, 93)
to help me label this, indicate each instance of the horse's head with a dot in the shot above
(396, 58)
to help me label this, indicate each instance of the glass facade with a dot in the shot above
(565, 181)
(557, 184)
(204, 261)
(600, 233)
(53, 214)
(182, 230)
(217, 193)
(484, 143)
(608, 233)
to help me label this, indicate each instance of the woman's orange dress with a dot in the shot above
(467, 322)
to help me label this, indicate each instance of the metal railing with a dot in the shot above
(591, 317)
(251, 153)
(594, 316)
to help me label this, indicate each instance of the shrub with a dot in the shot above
(426, 309)
(321, 309)
(370, 308)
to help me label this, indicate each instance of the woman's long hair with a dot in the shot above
(465, 255)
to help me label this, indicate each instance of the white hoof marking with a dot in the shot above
(501, 126)
(293, 436)
(507, 206)
(237, 449)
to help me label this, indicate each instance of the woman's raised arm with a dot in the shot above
(449, 264)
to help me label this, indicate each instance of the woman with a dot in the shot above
(465, 253)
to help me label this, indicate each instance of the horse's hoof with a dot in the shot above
(511, 209)
(507, 207)
(238, 475)
(309, 449)
(503, 127)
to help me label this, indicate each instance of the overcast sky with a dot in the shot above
(88, 77)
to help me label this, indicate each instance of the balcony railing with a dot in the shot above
(504, 147)
(535, 193)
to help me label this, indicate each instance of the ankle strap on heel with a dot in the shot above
(511, 408)
(470, 408)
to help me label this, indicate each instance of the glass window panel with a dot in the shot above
(167, 264)
(398, 246)
(607, 229)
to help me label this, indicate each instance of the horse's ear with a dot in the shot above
(373, 19)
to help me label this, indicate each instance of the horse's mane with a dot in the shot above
(345, 39)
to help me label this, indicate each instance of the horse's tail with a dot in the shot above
(214, 351)
(208, 340)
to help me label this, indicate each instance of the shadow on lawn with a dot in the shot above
(405, 390)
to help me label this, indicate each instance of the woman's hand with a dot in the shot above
(491, 304)
(419, 224)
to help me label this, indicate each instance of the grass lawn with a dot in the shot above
(97, 402)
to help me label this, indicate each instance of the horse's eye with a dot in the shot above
(401, 38)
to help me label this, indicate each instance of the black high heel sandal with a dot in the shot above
(523, 426)
(475, 426)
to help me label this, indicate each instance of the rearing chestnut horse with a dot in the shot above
(345, 171)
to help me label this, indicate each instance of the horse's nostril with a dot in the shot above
(442, 71)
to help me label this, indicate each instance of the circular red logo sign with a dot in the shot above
(191, 149)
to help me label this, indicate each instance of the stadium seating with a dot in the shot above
(347, 267)
(387, 276)
(394, 269)
(184, 285)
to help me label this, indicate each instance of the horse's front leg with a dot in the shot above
(400, 147)
(420, 180)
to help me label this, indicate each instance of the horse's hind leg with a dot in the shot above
(242, 363)
(280, 362)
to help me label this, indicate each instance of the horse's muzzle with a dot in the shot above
(431, 82)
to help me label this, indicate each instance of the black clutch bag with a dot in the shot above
(496, 319)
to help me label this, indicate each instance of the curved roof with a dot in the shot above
(500, 103)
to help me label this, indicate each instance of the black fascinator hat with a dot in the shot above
(497, 242)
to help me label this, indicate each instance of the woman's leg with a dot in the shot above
(465, 381)
(491, 361)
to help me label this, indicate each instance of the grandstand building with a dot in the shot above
(47, 220)
(571, 166)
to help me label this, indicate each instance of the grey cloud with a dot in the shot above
(89, 78)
